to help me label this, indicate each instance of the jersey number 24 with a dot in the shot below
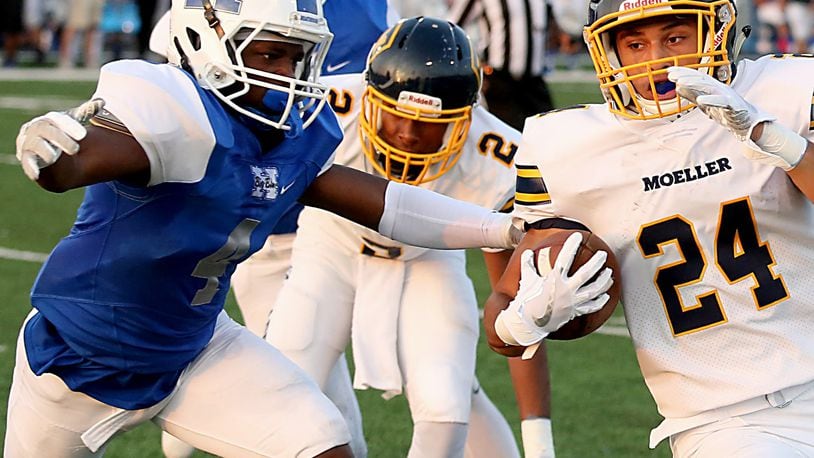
(739, 255)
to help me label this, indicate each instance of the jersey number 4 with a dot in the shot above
(739, 255)
(214, 266)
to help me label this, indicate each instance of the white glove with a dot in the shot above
(777, 146)
(42, 140)
(548, 298)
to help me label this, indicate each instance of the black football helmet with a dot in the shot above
(715, 54)
(422, 69)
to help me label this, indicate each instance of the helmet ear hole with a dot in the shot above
(194, 39)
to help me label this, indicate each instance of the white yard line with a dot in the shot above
(48, 74)
(615, 326)
(3, 348)
(12, 102)
(611, 330)
(8, 159)
(19, 255)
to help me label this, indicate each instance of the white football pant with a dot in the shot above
(437, 327)
(776, 432)
(256, 283)
(239, 397)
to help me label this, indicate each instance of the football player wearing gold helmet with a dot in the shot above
(698, 171)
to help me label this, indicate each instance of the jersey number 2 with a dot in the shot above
(739, 255)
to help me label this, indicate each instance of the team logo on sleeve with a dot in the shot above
(266, 182)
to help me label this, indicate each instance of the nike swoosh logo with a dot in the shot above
(543, 320)
(332, 68)
(285, 188)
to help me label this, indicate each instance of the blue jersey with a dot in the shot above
(354, 38)
(132, 294)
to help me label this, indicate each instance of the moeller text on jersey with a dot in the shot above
(686, 174)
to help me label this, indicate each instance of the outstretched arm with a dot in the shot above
(410, 214)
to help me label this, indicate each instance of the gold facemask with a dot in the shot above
(403, 166)
(714, 21)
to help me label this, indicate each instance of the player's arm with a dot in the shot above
(765, 139)
(530, 376)
(530, 379)
(60, 151)
(803, 174)
(409, 214)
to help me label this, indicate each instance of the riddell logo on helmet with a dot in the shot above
(640, 3)
(416, 100)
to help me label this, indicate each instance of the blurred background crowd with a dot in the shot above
(76, 33)
(88, 33)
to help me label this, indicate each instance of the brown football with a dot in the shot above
(585, 324)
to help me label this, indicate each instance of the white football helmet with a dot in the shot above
(207, 38)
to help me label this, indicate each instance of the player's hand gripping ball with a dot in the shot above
(591, 243)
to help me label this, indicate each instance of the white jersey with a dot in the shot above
(377, 294)
(484, 174)
(716, 250)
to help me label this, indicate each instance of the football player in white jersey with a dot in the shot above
(410, 313)
(188, 167)
(699, 174)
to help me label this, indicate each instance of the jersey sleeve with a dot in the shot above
(161, 107)
(532, 201)
(794, 105)
(327, 164)
(352, 39)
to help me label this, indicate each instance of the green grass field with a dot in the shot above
(601, 407)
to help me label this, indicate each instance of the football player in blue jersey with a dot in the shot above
(188, 168)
